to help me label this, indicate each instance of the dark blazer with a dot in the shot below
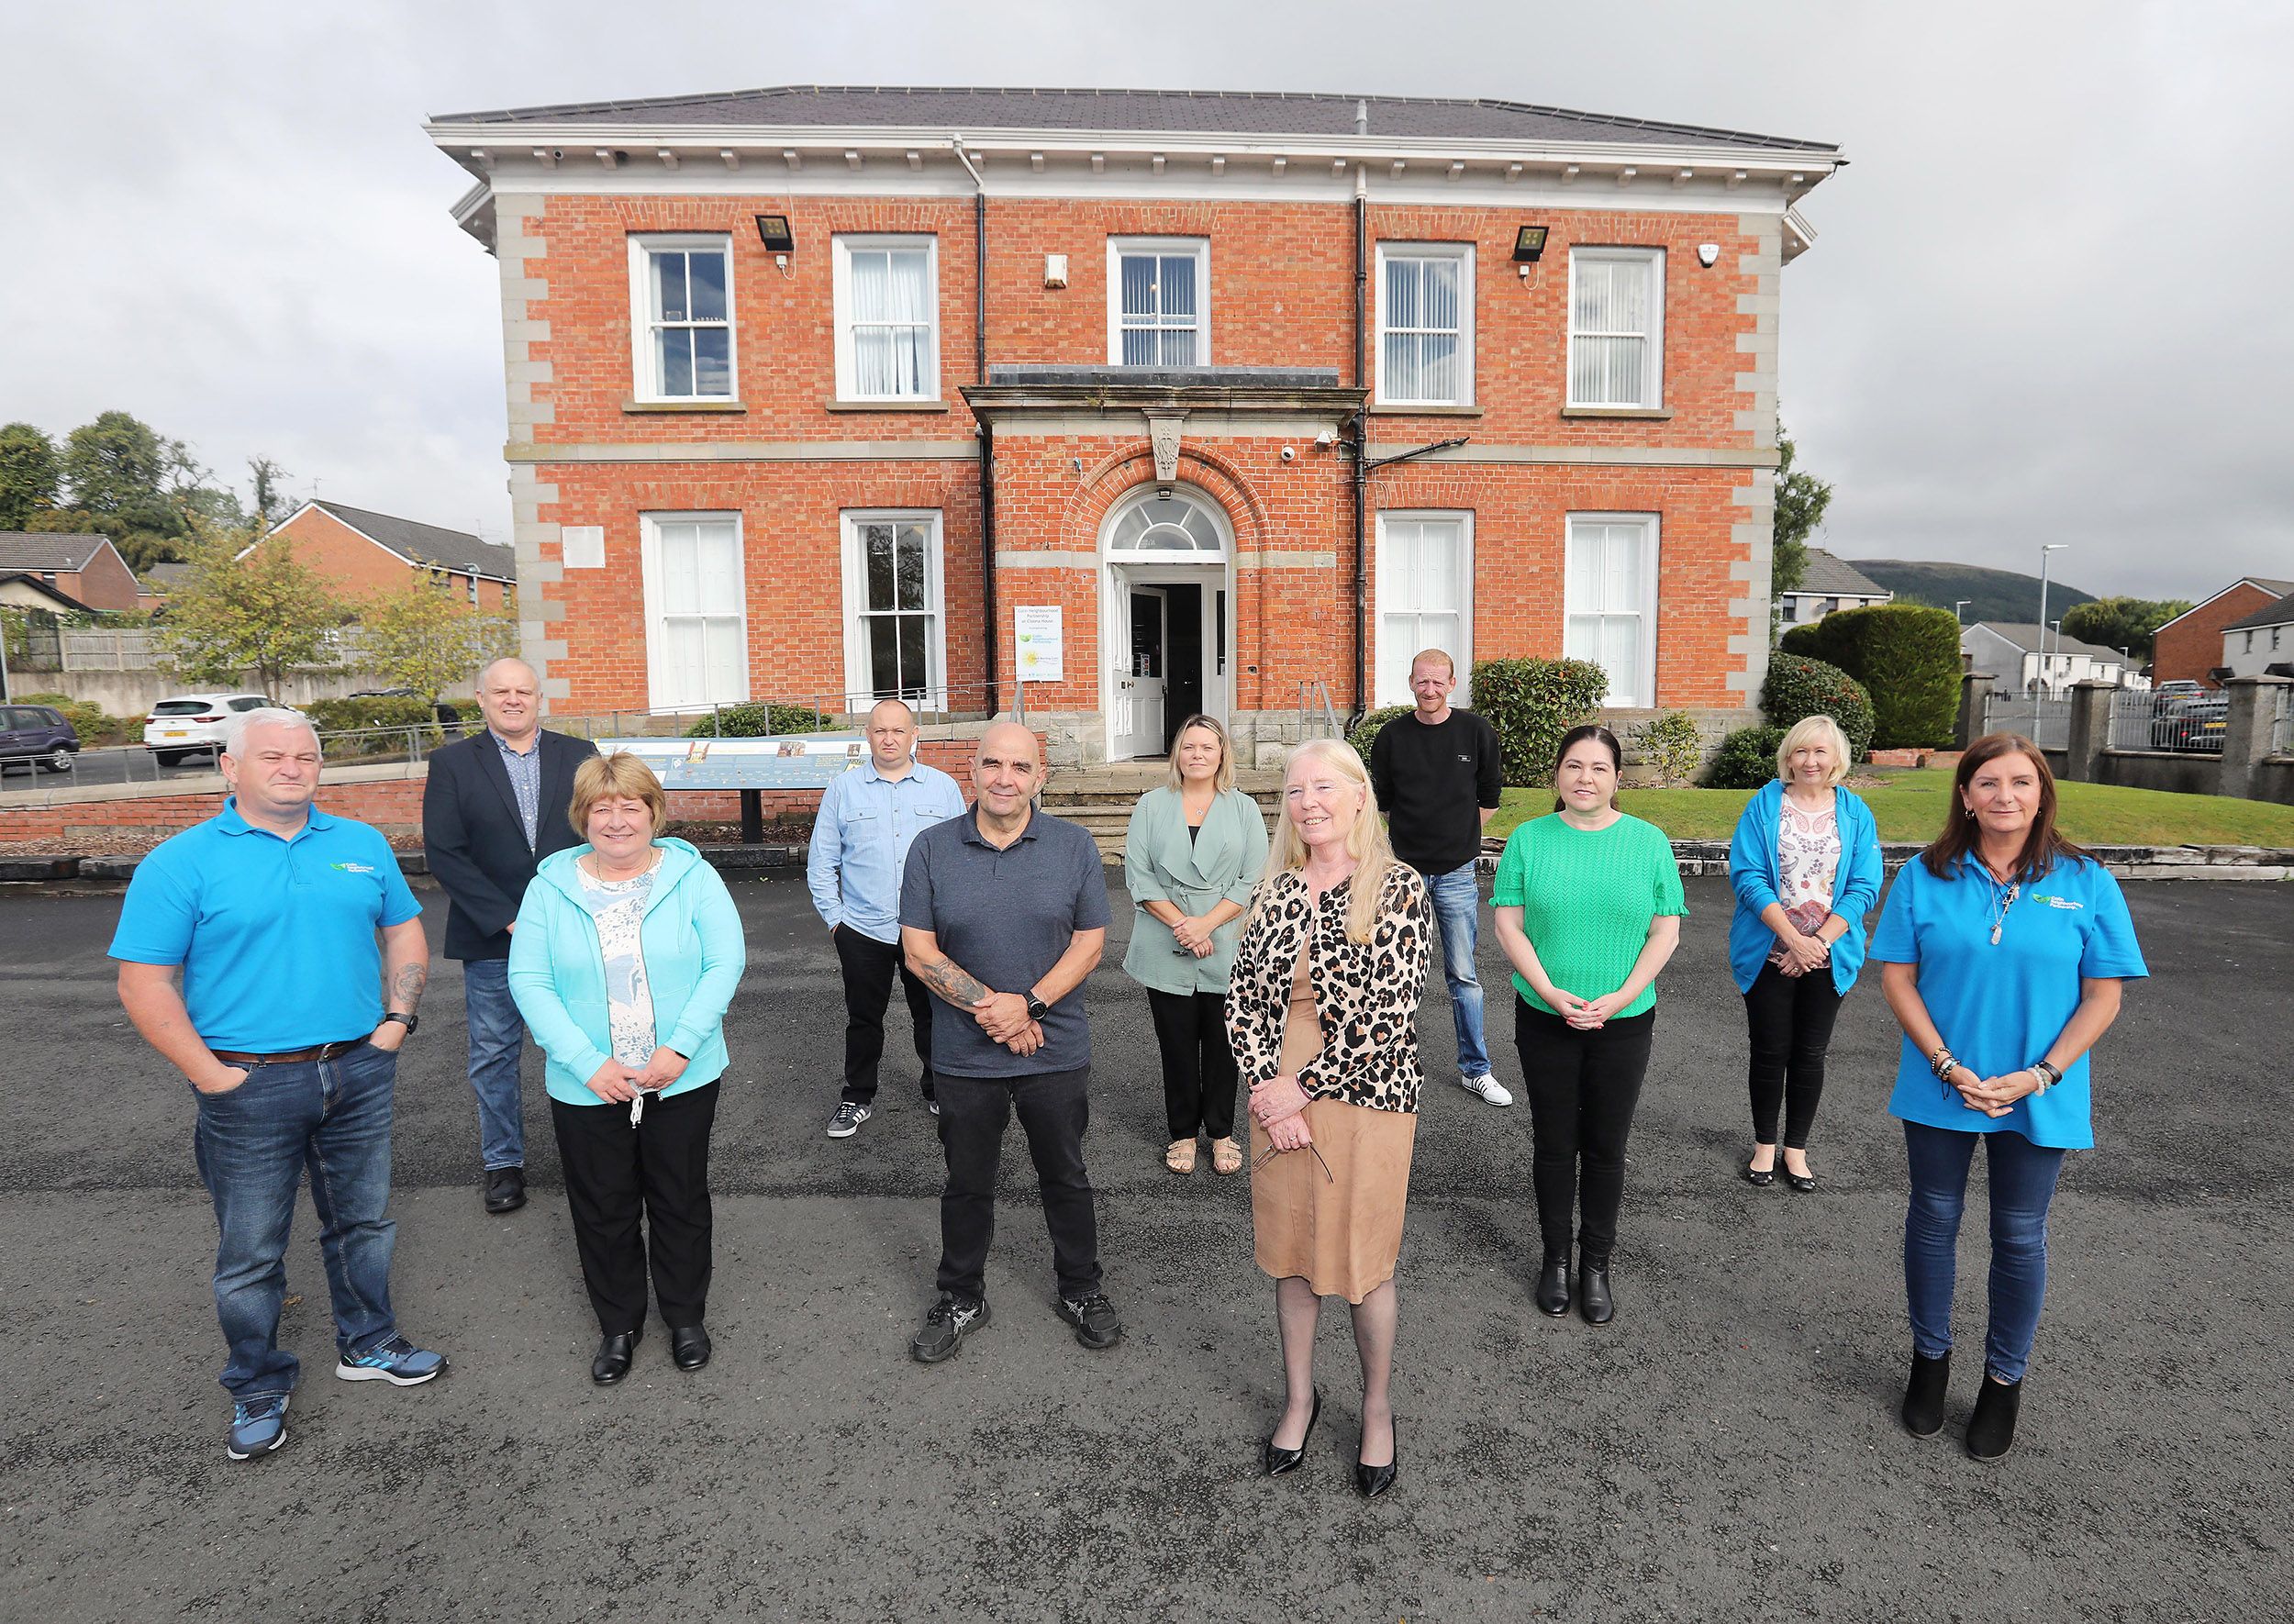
(476, 842)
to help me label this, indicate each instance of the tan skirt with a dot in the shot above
(1342, 1232)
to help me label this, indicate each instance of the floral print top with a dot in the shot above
(617, 906)
(1808, 863)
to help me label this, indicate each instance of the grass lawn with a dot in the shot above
(1909, 807)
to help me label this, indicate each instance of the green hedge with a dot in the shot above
(1746, 759)
(758, 720)
(1364, 733)
(88, 720)
(1671, 746)
(1907, 657)
(397, 712)
(1532, 703)
(1798, 687)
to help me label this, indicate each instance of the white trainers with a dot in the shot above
(1487, 1088)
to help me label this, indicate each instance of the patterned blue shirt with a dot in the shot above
(525, 772)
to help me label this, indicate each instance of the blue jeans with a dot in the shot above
(1457, 901)
(253, 1143)
(2022, 1177)
(498, 1039)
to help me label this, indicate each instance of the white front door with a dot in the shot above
(1141, 678)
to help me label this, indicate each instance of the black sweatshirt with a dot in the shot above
(1432, 781)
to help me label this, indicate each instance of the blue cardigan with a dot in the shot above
(1753, 876)
(694, 957)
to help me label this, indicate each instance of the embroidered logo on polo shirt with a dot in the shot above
(2061, 902)
(352, 868)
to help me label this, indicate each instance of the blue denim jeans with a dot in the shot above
(1457, 901)
(498, 1039)
(253, 1143)
(2022, 1177)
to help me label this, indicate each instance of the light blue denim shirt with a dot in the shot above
(860, 842)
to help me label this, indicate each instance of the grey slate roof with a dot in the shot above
(2278, 614)
(37, 550)
(972, 111)
(2028, 635)
(453, 550)
(1827, 576)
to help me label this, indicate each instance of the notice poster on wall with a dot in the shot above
(1040, 642)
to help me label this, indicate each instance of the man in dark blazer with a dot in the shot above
(493, 807)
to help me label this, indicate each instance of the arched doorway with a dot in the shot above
(1166, 619)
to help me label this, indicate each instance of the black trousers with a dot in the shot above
(1053, 1109)
(1199, 1069)
(1582, 1087)
(1791, 1020)
(869, 966)
(632, 1189)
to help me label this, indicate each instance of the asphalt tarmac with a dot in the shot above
(1727, 1448)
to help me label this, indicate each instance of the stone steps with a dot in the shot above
(1101, 798)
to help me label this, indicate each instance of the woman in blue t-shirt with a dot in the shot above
(2001, 950)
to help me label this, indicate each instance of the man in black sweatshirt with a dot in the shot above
(1437, 775)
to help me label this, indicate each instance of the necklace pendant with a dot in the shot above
(1995, 936)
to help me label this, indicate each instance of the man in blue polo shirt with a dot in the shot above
(286, 925)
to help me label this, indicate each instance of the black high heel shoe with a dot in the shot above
(1280, 1460)
(1370, 1482)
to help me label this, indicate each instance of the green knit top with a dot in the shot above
(1587, 900)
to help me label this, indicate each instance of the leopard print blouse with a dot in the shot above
(1365, 994)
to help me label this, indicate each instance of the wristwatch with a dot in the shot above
(1037, 1007)
(411, 1022)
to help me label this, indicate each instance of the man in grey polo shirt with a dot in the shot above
(1003, 914)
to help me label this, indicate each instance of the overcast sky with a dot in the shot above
(2048, 300)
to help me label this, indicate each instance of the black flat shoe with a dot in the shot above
(1553, 1288)
(506, 1189)
(1991, 1429)
(1593, 1297)
(1280, 1460)
(1370, 1482)
(1923, 1413)
(1803, 1182)
(1760, 1177)
(613, 1357)
(689, 1346)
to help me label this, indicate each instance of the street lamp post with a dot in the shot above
(2039, 689)
(1958, 607)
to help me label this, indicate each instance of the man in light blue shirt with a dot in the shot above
(860, 844)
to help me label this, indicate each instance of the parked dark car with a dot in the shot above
(36, 735)
(2193, 723)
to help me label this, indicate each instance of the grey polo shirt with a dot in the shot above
(1006, 917)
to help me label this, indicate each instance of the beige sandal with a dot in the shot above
(1180, 1157)
(1226, 1156)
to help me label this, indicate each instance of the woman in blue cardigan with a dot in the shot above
(624, 957)
(1805, 865)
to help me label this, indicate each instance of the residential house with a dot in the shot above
(83, 566)
(1827, 585)
(2189, 647)
(362, 551)
(1234, 401)
(158, 583)
(2260, 644)
(2021, 656)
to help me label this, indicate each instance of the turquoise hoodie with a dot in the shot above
(694, 957)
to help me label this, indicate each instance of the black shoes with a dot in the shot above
(1094, 1318)
(1553, 1288)
(613, 1357)
(1991, 1429)
(1922, 1414)
(506, 1189)
(689, 1346)
(1280, 1460)
(944, 1328)
(1760, 1177)
(1370, 1482)
(1593, 1298)
(1805, 1183)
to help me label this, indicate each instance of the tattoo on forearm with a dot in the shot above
(954, 982)
(406, 987)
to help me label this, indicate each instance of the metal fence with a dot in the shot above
(2282, 727)
(2044, 719)
(136, 763)
(2185, 724)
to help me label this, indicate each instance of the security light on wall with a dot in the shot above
(773, 232)
(1529, 244)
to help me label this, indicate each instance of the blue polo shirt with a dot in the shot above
(275, 937)
(1999, 1006)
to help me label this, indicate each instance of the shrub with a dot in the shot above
(1907, 657)
(1746, 759)
(1364, 733)
(88, 719)
(1671, 746)
(397, 712)
(758, 720)
(1532, 703)
(1799, 687)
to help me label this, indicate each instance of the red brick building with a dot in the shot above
(360, 552)
(828, 392)
(84, 567)
(2189, 647)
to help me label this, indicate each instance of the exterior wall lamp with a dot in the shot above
(1528, 246)
(773, 232)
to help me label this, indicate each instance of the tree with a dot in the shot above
(117, 462)
(268, 481)
(30, 474)
(1801, 500)
(268, 613)
(2128, 623)
(420, 638)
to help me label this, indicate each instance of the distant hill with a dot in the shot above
(1995, 595)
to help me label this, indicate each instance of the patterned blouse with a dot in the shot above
(1808, 865)
(1365, 994)
(618, 908)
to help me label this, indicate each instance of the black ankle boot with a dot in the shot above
(1593, 1298)
(1991, 1429)
(1923, 1395)
(1553, 1287)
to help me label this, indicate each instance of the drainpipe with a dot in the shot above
(1361, 438)
(986, 435)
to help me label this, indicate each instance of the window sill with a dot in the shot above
(1646, 414)
(631, 405)
(885, 406)
(1386, 409)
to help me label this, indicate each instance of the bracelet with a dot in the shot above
(1943, 1063)
(2047, 1074)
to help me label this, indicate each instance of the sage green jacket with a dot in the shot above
(1161, 864)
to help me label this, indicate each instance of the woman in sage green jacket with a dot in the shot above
(1191, 858)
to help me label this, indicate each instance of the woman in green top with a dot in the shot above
(1589, 908)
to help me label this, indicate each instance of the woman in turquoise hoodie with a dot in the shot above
(1805, 865)
(624, 957)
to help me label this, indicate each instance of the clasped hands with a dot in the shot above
(1004, 1018)
(1803, 953)
(1193, 934)
(1588, 1015)
(620, 1084)
(1994, 1096)
(1278, 1105)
